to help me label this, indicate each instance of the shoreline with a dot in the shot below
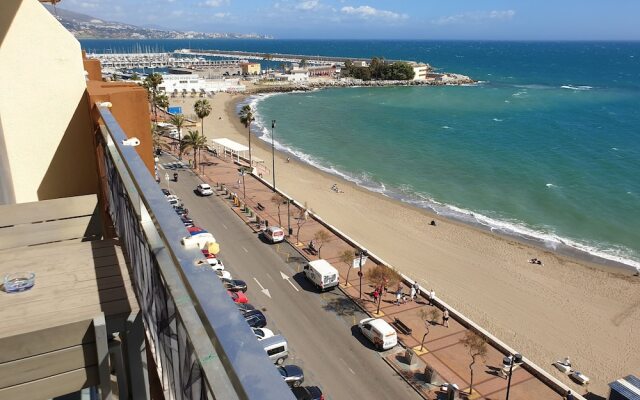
(545, 312)
(560, 246)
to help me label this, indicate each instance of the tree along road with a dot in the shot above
(321, 329)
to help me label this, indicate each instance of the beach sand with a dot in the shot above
(563, 308)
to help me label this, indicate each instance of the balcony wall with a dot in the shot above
(46, 143)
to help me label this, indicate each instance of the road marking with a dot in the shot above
(246, 251)
(349, 368)
(224, 226)
(285, 277)
(263, 290)
(161, 166)
(270, 277)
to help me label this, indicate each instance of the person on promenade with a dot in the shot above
(445, 318)
(398, 297)
(413, 292)
(569, 396)
(432, 296)
(376, 294)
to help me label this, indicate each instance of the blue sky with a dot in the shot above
(382, 19)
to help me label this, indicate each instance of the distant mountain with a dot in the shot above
(85, 26)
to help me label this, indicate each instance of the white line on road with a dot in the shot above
(224, 226)
(285, 277)
(345, 363)
(263, 290)
(246, 251)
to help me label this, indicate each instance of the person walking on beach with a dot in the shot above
(445, 318)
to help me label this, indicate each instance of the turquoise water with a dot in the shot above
(546, 147)
(552, 159)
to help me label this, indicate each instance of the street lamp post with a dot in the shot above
(361, 253)
(273, 155)
(289, 215)
(516, 358)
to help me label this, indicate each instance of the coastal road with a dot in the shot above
(320, 328)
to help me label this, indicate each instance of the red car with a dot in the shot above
(238, 297)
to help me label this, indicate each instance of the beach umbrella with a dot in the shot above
(213, 247)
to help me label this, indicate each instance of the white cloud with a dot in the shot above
(215, 3)
(221, 15)
(309, 5)
(367, 12)
(476, 16)
(86, 4)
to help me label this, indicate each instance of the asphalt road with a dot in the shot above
(321, 329)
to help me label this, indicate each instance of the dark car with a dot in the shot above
(181, 211)
(255, 319)
(292, 375)
(166, 192)
(234, 285)
(245, 308)
(307, 393)
(188, 222)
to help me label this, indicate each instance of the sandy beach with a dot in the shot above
(562, 308)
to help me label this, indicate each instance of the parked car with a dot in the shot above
(307, 393)
(188, 222)
(274, 234)
(215, 263)
(263, 333)
(235, 285)
(194, 230)
(292, 375)
(255, 319)
(180, 210)
(379, 332)
(322, 274)
(223, 274)
(238, 297)
(245, 308)
(204, 189)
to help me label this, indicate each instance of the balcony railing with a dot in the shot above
(203, 348)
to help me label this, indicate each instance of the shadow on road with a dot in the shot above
(304, 283)
(342, 306)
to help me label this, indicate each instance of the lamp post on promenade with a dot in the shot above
(362, 253)
(289, 215)
(516, 358)
(273, 155)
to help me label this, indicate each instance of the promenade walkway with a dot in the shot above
(442, 348)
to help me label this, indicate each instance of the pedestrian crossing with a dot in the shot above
(172, 166)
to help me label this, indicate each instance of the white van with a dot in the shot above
(322, 274)
(274, 234)
(277, 348)
(381, 334)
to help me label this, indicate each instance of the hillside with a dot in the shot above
(85, 26)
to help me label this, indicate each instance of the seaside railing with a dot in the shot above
(201, 345)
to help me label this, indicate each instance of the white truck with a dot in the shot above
(322, 274)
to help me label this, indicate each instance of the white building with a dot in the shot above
(298, 75)
(183, 83)
(420, 71)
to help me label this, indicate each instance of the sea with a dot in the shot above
(545, 147)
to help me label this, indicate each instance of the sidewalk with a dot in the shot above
(442, 348)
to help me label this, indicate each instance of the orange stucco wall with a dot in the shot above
(130, 107)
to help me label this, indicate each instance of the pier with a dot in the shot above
(291, 58)
(159, 60)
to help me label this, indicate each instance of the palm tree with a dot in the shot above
(195, 141)
(162, 101)
(202, 109)
(151, 83)
(158, 143)
(178, 121)
(304, 63)
(246, 117)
